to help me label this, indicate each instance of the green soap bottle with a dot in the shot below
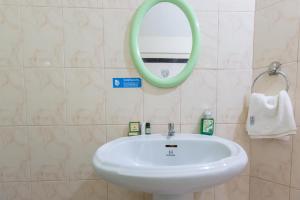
(207, 126)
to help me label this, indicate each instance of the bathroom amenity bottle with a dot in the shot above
(207, 126)
(145, 128)
(148, 129)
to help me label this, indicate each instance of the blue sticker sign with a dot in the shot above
(127, 82)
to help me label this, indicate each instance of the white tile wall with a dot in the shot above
(83, 37)
(236, 31)
(275, 163)
(57, 61)
(277, 33)
(43, 36)
(11, 48)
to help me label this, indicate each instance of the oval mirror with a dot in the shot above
(165, 42)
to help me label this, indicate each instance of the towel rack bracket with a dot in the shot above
(274, 68)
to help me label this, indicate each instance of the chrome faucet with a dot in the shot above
(171, 129)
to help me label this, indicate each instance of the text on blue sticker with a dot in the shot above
(127, 82)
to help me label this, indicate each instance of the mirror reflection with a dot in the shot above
(165, 40)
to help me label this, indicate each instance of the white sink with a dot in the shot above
(170, 167)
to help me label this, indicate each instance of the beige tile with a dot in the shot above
(121, 3)
(297, 99)
(272, 85)
(42, 2)
(199, 93)
(123, 105)
(116, 131)
(91, 190)
(264, 190)
(50, 153)
(238, 134)
(190, 128)
(81, 3)
(10, 2)
(14, 154)
(295, 194)
(271, 159)
(295, 176)
(236, 39)
(114, 4)
(15, 191)
(134, 4)
(161, 106)
(233, 94)
(237, 5)
(282, 17)
(204, 5)
(207, 194)
(51, 190)
(261, 4)
(43, 36)
(10, 37)
(83, 37)
(116, 48)
(298, 49)
(85, 96)
(163, 128)
(235, 189)
(119, 193)
(45, 96)
(90, 138)
(208, 22)
(12, 101)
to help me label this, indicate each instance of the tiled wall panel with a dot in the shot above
(275, 164)
(57, 105)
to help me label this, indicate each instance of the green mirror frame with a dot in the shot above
(134, 45)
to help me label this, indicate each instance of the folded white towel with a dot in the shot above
(270, 116)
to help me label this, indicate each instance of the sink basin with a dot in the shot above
(170, 167)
